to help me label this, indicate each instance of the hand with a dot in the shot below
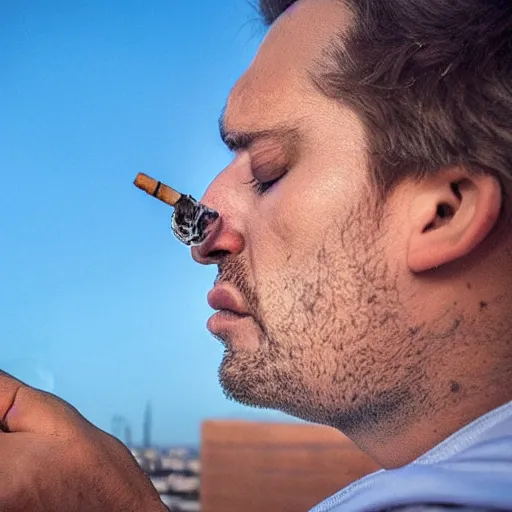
(52, 459)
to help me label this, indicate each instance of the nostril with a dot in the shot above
(218, 254)
(222, 241)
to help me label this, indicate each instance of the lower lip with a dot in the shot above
(223, 320)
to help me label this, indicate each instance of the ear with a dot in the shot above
(451, 213)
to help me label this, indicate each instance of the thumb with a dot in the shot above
(25, 409)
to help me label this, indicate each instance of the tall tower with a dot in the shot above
(147, 426)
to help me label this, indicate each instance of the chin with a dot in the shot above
(240, 379)
(238, 334)
(249, 379)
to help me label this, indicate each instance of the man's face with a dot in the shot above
(305, 257)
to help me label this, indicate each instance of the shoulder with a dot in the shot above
(438, 508)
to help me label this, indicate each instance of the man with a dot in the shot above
(365, 261)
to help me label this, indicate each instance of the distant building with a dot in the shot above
(194, 465)
(173, 463)
(146, 427)
(255, 467)
(175, 475)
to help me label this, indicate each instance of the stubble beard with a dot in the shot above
(336, 353)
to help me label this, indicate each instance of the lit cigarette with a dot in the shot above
(157, 189)
(191, 221)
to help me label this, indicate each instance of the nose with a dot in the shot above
(225, 238)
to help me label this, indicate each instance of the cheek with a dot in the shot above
(283, 230)
(276, 250)
(301, 217)
(300, 214)
(283, 247)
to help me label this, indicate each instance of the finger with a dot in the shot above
(25, 409)
(9, 387)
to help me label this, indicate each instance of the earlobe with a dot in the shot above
(449, 218)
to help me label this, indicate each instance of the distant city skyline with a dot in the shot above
(100, 303)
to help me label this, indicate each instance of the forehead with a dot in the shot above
(277, 86)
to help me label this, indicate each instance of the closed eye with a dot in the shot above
(263, 186)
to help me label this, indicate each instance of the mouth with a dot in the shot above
(227, 313)
(230, 306)
(225, 298)
(225, 321)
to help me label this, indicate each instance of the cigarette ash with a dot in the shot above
(190, 220)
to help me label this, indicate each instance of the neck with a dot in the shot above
(401, 442)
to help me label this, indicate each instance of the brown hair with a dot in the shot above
(430, 79)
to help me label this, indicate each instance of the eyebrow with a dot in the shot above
(240, 140)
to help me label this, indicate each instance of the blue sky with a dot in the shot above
(99, 302)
